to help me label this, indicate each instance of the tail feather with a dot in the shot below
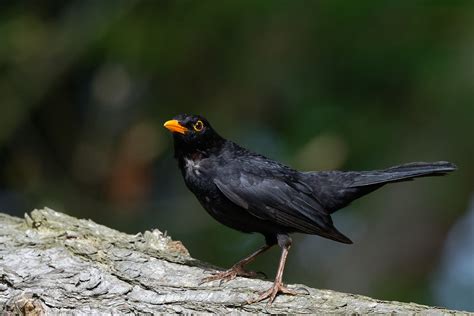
(337, 189)
(405, 172)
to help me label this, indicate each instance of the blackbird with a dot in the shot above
(251, 193)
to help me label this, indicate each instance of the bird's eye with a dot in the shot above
(198, 126)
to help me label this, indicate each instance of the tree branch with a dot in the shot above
(51, 262)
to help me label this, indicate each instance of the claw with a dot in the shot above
(229, 275)
(237, 269)
(272, 293)
(307, 292)
(262, 274)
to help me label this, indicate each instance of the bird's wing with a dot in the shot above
(273, 198)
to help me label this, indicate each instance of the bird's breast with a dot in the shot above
(196, 174)
(192, 167)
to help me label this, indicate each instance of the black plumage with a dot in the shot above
(251, 193)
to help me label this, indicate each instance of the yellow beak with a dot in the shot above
(175, 127)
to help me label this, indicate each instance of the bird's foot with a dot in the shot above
(272, 293)
(230, 274)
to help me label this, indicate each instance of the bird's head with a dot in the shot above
(192, 133)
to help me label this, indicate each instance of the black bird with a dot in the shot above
(251, 193)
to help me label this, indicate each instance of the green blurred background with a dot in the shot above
(85, 87)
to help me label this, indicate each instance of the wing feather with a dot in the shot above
(275, 200)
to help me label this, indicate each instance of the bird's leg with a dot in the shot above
(238, 268)
(285, 243)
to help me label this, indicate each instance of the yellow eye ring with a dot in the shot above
(198, 126)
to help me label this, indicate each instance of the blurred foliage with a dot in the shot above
(86, 85)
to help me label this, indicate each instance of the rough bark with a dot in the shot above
(51, 262)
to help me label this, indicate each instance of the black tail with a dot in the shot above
(405, 172)
(336, 189)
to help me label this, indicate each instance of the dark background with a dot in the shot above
(85, 87)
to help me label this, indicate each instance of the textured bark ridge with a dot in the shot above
(51, 262)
